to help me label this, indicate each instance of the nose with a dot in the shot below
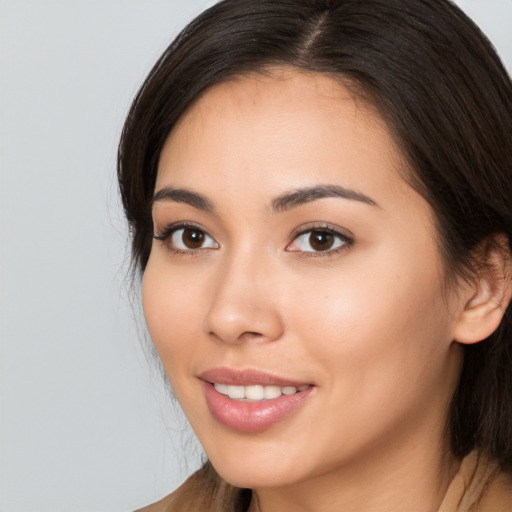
(244, 303)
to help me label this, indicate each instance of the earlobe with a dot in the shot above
(489, 295)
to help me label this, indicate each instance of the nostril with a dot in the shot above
(251, 335)
(244, 336)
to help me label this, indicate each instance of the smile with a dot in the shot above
(251, 401)
(256, 393)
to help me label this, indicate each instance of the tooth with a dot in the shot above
(236, 392)
(272, 391)
(221, 388)
(254, 392)
(257, 391)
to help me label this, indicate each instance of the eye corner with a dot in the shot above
(160, 238)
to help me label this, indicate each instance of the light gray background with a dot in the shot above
(86, 424)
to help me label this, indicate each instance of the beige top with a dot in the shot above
(479, 486)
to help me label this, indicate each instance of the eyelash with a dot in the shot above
(347, 240)
(166, 234)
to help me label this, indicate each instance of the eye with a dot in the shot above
(187, 238)
(319, 240)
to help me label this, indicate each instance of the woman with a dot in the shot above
(319, 197)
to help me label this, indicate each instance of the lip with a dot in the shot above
(247, 377)
(245, 416)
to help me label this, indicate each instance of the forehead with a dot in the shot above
(287, 128)
(276, 98)
(278, 86)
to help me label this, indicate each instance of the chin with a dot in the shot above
(258, 466)
(245, 477)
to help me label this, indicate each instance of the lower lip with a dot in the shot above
(249, 417)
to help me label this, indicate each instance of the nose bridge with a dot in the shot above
(242, 304)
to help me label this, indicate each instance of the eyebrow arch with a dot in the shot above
(305, 195)
(183, 195)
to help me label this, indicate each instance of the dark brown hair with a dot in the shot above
(446, 98)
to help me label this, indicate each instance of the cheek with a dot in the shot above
(381, 347)
(171, 310)
(378, 325)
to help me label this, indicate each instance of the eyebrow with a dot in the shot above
(301, 196)
(282, 203)
(182, 195)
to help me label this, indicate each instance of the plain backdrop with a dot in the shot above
(86, 423)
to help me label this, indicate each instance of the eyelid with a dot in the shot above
(167, 229)
(165, 234)
(343, 234)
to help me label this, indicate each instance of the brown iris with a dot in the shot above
(321, 240)
(192, 238)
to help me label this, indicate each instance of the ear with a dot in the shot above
(488, 295)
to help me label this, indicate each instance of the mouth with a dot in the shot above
(252, 401)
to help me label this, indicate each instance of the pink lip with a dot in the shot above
(248, 377)
(250, 417)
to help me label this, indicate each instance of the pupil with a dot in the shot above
(193, 238)
(321, 240)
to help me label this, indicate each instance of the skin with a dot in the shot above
(369, 325)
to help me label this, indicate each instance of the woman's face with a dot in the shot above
(294, 291)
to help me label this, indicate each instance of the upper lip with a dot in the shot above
(247, 377)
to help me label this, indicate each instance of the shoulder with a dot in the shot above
(496, 494)
(204, 491)
(480, 486)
